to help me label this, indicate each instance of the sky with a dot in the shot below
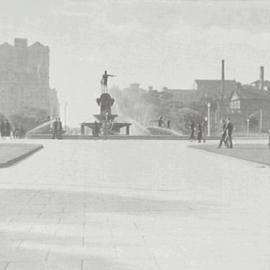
(152, 42)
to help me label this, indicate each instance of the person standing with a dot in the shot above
(57, 129)
(160, 121)
(192, 131)
(229, 129)
(204, 128)
(169, 124)
(96, 129)
(199, 134)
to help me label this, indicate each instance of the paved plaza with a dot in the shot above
(126, 205)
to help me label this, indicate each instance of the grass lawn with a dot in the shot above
(12, 152)
(259, 153)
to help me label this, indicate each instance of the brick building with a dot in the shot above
(24, 79)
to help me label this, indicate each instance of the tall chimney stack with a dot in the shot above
(262, 78)
(222, 78)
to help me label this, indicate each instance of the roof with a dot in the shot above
(213, 87)
(184, 95)
(37, 45)
(7, 45)
(249, 92)
(210, 81)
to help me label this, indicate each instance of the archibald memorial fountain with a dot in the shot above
(105, 123)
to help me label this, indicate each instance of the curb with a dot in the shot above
(21, 157)
(122, 137)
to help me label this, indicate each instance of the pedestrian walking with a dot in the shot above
(229, 129)
(223, 138)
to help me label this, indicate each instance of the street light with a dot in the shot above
(209, 119)
(247, 126)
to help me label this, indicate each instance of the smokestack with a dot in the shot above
(262, 78)
(222, 78)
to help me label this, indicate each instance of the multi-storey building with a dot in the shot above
(24, 79)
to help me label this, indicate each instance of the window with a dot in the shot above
(235, 105)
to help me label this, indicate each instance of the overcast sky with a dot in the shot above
(156, 42)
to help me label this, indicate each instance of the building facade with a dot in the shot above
(24, 79)
(250, 109)
(213, 88)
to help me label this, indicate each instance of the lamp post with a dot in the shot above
(247, 126)
(208, 119)
(261, 120)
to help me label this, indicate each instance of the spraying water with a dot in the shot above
(48, 123)
(137, 128)
(142, 130)
(163, 131)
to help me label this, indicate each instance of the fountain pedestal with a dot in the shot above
(105, 124)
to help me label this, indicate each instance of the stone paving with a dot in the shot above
(133, 205)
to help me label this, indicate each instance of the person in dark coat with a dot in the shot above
(229, 129)
(200, 131)
(160, 122)
(57, 129)
(223, 138)
(54, 129)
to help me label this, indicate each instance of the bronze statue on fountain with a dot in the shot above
(105, 124)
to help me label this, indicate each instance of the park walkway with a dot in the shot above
(129, 205)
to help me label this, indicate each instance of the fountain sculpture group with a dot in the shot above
(105, 123)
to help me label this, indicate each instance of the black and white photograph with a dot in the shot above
(134, 135)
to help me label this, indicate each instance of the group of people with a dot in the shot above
(226, 135)
(198, 131)
(7, 131)
(162, 123)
